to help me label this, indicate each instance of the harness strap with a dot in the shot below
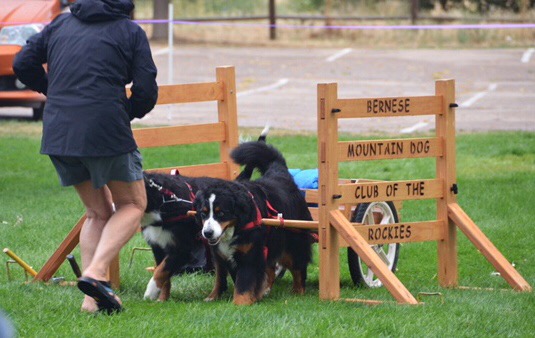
(191, 194)
(272, 213)
(174, 198)
(258, 220)
(177, 218)
(175, 172)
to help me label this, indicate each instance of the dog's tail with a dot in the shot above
(247, 171)
(263, 134)
(259, 155)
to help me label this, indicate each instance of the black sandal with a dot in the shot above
(102, 292)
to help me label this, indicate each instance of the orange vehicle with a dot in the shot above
(20, 19)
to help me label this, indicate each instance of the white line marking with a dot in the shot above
(338, 55)
(161, 52)
(417, 126)
(276, 85)
(478, 96)
(527, 55)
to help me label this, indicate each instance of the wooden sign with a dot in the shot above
(401, 232)
(389, 149)
(390, 191)
(389, 106)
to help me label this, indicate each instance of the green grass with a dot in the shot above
(496, 177)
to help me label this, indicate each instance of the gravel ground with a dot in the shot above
(495, 88)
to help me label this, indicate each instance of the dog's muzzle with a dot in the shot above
(213, 231)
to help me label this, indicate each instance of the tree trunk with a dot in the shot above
(159, 30)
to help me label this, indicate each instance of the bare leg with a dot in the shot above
(102, 244)
(98, 204)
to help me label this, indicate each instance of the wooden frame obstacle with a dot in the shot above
(336, 195)
(224, 131)
(443, 188)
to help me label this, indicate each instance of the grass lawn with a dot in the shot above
(496, 179)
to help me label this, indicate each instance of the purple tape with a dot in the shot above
(360, 27)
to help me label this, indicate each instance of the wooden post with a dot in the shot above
(329, 260)
(228, 113)
(272, 20)
(445, 166)
(415, 8)
(328, 19)
(114, 273)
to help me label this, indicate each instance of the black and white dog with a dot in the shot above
(230, 213)
(173, 235)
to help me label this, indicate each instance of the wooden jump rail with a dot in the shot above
(224, 131)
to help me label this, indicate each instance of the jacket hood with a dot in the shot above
(102, 10)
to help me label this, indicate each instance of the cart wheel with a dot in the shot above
(373, 213)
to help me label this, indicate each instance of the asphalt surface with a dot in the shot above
(495, 89)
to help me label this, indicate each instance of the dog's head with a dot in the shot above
(221, 207)
(167, 197)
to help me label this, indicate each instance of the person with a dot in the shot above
(91, 54)
(6, 327)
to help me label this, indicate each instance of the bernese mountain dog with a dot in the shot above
(231, 215)
(172, 234)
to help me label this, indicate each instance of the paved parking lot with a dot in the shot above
(495, 88)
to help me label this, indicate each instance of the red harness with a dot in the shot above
(272, 213)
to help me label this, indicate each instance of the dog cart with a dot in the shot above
(372, 213)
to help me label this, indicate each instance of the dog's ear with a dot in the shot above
(198, 199)
(197, 205)
(245, 208)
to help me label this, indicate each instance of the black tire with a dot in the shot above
(38, 112)
(357, 268)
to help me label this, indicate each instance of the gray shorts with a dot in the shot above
(100, 170)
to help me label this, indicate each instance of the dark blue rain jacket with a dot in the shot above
(92, 53)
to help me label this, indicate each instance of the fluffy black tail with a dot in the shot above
(248, 170)
(260, 155)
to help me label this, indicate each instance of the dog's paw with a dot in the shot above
(152, 292)
(209, 299)
(244, 299)
(298, 290)
(267, 291)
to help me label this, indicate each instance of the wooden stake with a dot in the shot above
(485, 246)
